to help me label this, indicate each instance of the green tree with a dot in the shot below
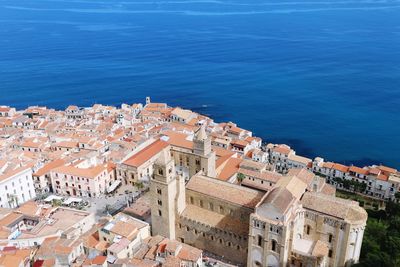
(381, 244)
(240, 177)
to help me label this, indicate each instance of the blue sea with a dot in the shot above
(322, 76)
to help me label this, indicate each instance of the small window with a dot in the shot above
(330, 238)
(159, 191)
(159, 213)
(159, 202)
(191, 200)
(308, 228)
(330, 253)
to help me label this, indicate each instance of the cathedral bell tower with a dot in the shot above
(167, 192)
(205, 156)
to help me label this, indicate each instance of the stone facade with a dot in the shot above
(297, 222)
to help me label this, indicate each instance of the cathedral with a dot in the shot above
(299, 222)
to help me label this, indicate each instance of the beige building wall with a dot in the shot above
(168, 193)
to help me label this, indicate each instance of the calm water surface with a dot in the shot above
(322, 76)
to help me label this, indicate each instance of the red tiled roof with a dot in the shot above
(146, 153)
(358, 170)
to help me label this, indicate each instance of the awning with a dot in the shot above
(72, 200)
(52, 197)
(113, 186)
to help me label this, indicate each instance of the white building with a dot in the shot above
(16, 186)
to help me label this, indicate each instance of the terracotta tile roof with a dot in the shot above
(344, 209)
(91, 172)
(11, 218)
(179, 139)
(13, 172)
(124, 229)
(382, 177)
(287, 191)
(358, 170)
(30, 208)
(99, 260)
(172, 262)
(5, 109)
(282, 150)
(303, 174)
(264, 175)
(228, 167)
(49, 166)
(374, 171)
(239, 143)
(143, 263)
(11, 261)
(220, 152)
(67, 144)
(387, 169)
(299, 159)
(234, 194)
(235, 130)
(146, 153)
(340, 167)
(182, 113)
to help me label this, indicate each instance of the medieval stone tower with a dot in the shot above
(202, 149)
(167, 191)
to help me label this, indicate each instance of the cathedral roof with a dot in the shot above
(234, 194)
(344, 209)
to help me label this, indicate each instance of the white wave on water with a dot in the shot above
(62, 22)
(289, 11)
(80, 26)
(106, 27)
(207, 13)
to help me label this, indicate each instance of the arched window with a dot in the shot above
(273, 245)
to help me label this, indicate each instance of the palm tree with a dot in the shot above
(12, 199)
